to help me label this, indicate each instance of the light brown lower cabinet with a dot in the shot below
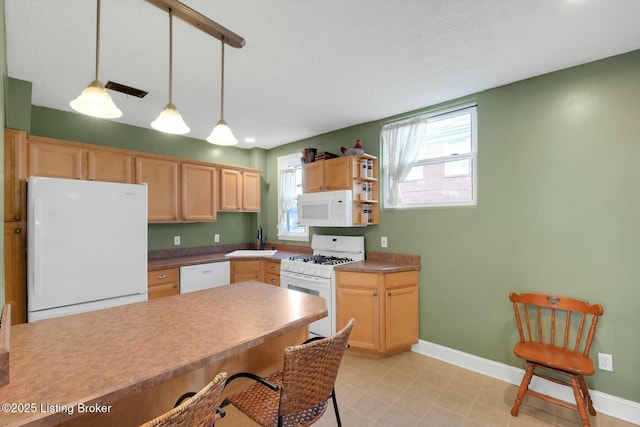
(243, 270)
(262, 270)
(385, 306)
(15, 271)
(271, 272)
(163, 283)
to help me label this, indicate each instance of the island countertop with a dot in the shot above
(97, 358)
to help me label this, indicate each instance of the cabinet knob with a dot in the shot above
(375, 294)
(162, 276)
(389, 293)
(273, 267)
(16, 218)
(18, 230)
(175, 286)
(273, 280)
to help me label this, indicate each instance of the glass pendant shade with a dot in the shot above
(95, 101)
(170, 121)
(222, 135)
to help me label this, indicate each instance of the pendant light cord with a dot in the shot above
(97, 39)
(170, 56)
(222, 83)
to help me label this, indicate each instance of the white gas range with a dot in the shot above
(313, 274)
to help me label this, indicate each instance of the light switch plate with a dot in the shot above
(216, 238)
(383, 242)
(176, 240)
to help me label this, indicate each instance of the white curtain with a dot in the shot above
(401, 142)
(287, 196)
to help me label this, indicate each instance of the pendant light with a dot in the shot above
(221, 134)
(94, 100)
(170, 120)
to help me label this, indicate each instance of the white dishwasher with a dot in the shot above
(204, 276)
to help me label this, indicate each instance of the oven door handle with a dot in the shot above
(303, 277)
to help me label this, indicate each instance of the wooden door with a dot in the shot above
(313, 177)
(338, 174)
(109, 166)
(401, 319)
(363, 305)
(15, 270)
(56, 161)
(251, 191)
(243, 270)
(230, 190)
(198, 192)
(14, 175)
(161, 177)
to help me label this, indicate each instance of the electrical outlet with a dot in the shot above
(216, 238)
(383, 242)
(605, 362)
(176, 240)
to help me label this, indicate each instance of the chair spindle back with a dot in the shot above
(542, 312)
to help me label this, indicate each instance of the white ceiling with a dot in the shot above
(309, 66)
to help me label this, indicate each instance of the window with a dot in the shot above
(431, 160)
(289, 186)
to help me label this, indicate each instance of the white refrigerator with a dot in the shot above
(86, 246)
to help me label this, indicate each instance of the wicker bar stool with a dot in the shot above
(195, 409)
(299, 394)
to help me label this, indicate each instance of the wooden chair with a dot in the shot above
(556, 337)
(194, 409)
(297, 395)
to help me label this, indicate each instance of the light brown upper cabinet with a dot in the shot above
(161, 177)
(327, 175)
(60, 159)
(198, 192)
(55, 160)
(109, 166)
(239, 191)
(14, 175)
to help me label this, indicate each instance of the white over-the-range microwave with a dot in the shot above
(326, 209)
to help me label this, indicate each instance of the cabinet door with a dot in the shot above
(56, 161)
(230, 190)
(198, 192)
(14, 175)
(243, 270)
(338, 174)
(161, 177)
(364, 306)
(401, 320)
(251, 191)
(163, 283)
(109, 166)
(313, 177)
(15, 271)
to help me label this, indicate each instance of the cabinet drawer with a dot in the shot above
(272, 267)
(159, 277)
(401, 279)
(272, 279)
(163, 290)
(357, 280)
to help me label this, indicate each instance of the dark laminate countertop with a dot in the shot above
(102, 356)
(376, 262)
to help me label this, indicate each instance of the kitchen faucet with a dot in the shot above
(261, 242)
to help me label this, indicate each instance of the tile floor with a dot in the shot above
(410, 389)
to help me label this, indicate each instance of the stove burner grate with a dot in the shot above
(321, 259)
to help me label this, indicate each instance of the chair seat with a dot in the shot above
(261, 404)
(555, 357)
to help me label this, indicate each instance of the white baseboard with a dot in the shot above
(608, 404)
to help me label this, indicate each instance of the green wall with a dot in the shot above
(558, 212)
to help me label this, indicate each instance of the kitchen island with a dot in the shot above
(132, 362)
